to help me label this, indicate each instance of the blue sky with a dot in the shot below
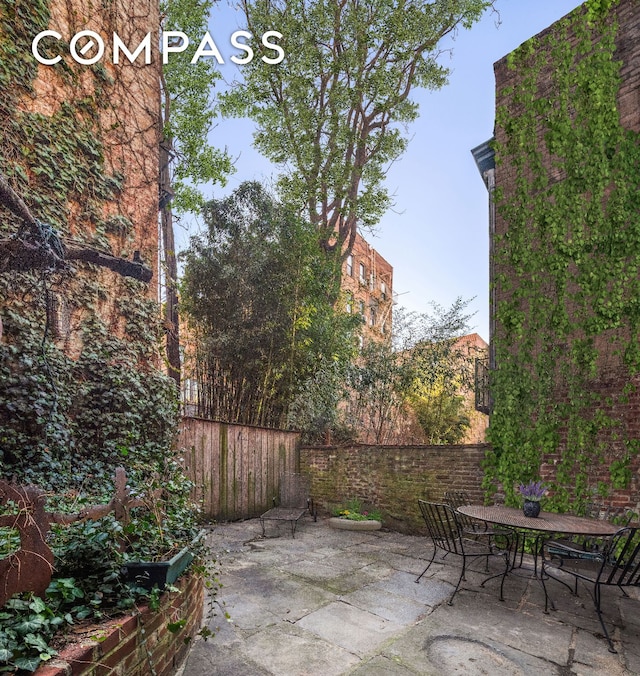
(436, 236)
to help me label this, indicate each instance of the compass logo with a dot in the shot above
(88, 47)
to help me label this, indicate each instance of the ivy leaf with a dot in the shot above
(38, 605)
(175, 627)
(30, 625)
(36, 641)
(28, 663)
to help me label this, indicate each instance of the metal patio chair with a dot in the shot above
(473, 527)
(616, 563)
(584, 546)
(293, 502)
(446, 533)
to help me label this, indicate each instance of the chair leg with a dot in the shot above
(596, 601)
(433, 556)
(546, 594)
(624, 593)
(462, 577)
(504, 575)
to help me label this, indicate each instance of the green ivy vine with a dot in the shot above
(566, 267)
(72, 407)
(81, 391)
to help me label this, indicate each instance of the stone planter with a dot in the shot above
(348, 524)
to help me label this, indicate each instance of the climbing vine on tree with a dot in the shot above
(566, 265)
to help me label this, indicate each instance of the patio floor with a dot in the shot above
(335, 602)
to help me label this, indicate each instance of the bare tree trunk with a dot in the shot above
(172, 322)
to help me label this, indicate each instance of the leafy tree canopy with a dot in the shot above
(256, 290)
(419, 377)
(332, 113)
(188, 113)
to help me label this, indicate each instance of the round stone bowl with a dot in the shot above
(348, 524)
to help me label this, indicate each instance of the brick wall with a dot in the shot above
(612, 376)
(392, 478)
(127, 125)
(139, 644)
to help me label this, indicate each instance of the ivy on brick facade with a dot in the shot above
(566, 266)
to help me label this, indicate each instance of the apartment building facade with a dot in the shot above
(367, 285)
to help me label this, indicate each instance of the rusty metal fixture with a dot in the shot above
(31, 567)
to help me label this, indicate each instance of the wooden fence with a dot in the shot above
(236, 468)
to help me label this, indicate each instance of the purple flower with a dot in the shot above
(534, 490)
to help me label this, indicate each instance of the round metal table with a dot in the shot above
(547, 522)
(539, 528)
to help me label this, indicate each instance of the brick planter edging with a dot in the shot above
(140, 644)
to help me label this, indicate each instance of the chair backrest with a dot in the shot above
(442, 525)
(621, 559)
(596, 510)
(294, 490)
(456, 499)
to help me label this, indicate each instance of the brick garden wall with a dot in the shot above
(140, 644)
(392, 478)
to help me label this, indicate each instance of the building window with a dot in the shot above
(372, 316)
(383, 290)
(383, 328)
(362, 276)
(350, 265)
(349, 304)
(361, 342)
(361, 307)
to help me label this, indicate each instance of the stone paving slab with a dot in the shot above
(430, 592)
(401, 610)
(351, 628)
(286, 649)
(340, 602)
(381, 666)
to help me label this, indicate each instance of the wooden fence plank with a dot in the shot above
(236, 469)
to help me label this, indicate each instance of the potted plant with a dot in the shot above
(532, 493)
(355, 517)
(162, 572)
(161, 537)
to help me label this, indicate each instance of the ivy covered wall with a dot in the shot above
(80, 389)
(567, 260)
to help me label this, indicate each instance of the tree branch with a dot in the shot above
(20, 254)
